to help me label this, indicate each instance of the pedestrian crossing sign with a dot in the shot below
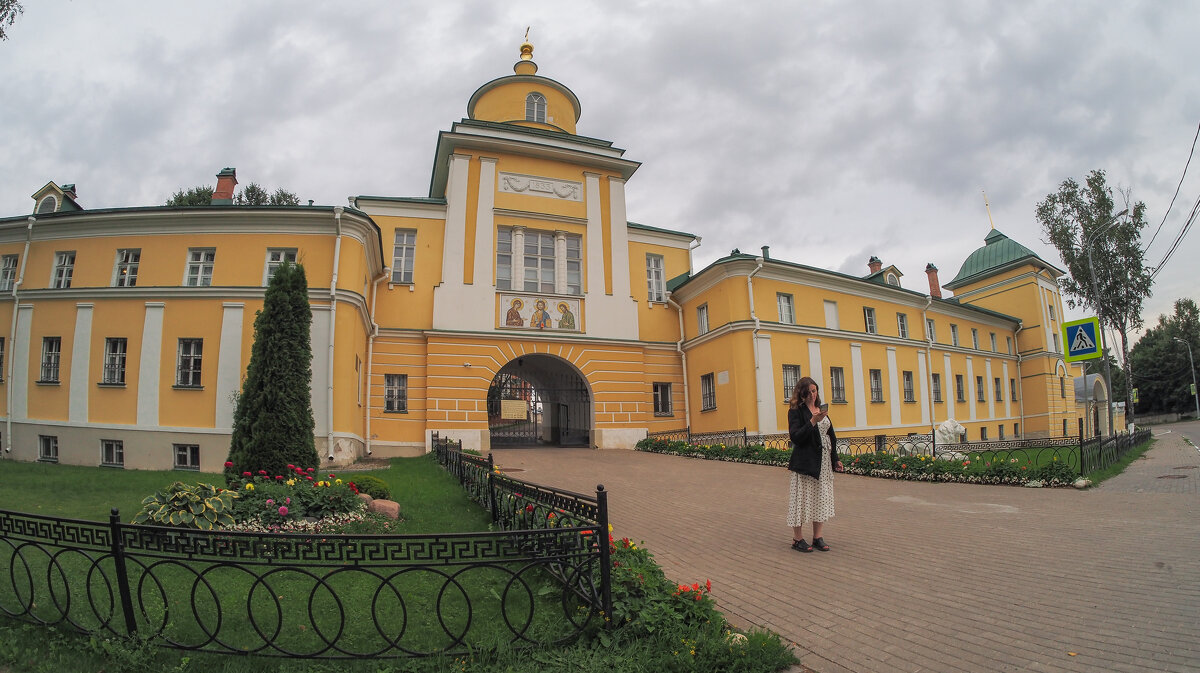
(1081, 339)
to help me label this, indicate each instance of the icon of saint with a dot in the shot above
(514, 319)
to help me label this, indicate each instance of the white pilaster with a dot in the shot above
(764, 382)
(81, 351)
(560, 261)
(518, 258)
(485, 226)
(18, 385)
(951, 389)
(455, 237)
(894, 399)
(229, 363)
(150, 364)
(319, 335)
(1007, 391)
(972, 387)
(989, 383)
(595, 237)
(619, 234)
(860, 397)
(814, 366)
(608, 315)
(923, 382)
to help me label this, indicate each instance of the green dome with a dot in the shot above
(999, 253)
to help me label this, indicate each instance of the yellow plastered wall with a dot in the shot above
(658, 321)
(349, 381)
(120, 318)
(189, 319)
(411, 306)
(506, 103)
(399, 354)
(51, 318)
(664, 366)
(735, 399)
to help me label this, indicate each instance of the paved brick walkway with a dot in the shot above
(924, 577)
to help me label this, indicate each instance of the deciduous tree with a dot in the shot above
(1114, 284)
(1164, 372)
(9, 9)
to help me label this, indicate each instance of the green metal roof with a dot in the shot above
(646, 227)
(999, 253)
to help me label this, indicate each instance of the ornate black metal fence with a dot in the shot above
(519, 506)
(1101, 452)
(320, 596)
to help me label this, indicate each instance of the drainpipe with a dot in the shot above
(337, 257)
(687, 407)
(371, 348)
(1021, 399)
(928, 357)
(12, 339)
(754, 341)
(692, 246)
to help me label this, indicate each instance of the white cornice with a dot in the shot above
(536, 146)
(566, 142)
(546, 217)
(659, 239)
(427, 211)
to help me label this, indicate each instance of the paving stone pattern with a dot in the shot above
(924, 577)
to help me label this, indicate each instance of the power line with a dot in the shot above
(1185, 169)
(1187, 225)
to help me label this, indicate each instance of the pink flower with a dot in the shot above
(310, 469)
(283, 511)
(262, 472)
(289, 501)
(228, 464)
(270, 501)
(245, 474)
(291, 467)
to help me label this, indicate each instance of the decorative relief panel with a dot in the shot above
(515, 183)
(540, 312)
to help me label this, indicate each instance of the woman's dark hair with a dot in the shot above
(800, 392)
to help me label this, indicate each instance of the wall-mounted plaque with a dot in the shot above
(551, 188)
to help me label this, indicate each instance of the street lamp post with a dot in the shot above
(1195, 395)
(1096, 296)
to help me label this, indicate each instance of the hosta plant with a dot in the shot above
(200, 506)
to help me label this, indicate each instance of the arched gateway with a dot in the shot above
(539, 400)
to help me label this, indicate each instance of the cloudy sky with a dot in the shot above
(830, 131)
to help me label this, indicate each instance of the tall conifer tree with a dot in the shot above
(273, 421)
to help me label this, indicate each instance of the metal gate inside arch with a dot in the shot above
(539, 400)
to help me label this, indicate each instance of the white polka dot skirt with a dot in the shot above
(812, 499)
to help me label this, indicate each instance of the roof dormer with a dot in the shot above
(53, 199)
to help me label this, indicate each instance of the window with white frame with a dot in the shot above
(980, 392)
(8, 272)
(114, 360)
(49, 204)
(200, 267)
(574, 264)
(656, 284)
(1008, 340)
(404, 253)
(1016, 430)
(936, 387)
(998, 389)
(112, 453)
(902, 325)
(125, 269)
(395, 393)
(277, 257)
(960, 393)
(662, 399)
(188, 363)
(787, 309)
(535, 108)
(974, 338)
(837, 384)
(1012, 393)
(993, 336)
(831, 315)
(1065, 430)
(876, 377)
(909, 393)
(869, 320)
(1062, 387)
(187, 456)
(930, 329)
(1051, 307)
(791, 376)
(954, 334)
(48, 448)
(504, 251)
(702, 319)
(539, 261)
(51, 357)
(708, 392)
(64, 268)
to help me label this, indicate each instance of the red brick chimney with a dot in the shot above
(226, 181)
(935, 288)
(874, 264)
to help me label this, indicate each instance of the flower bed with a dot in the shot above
(988, 469)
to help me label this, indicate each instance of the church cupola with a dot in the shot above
(526, 99)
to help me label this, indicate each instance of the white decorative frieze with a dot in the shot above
(566, 190)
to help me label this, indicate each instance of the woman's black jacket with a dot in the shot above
(806, 443)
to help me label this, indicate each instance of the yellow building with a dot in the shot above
(514, 304)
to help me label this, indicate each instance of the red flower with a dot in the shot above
(708, 585)
(528, 508)
(331, 476)
(695, 586)
(245, 474)
(263, 472)
(278, 478)
(698, 596)
(309, 478)
(310, 469)
(228, 464)
(291, 467)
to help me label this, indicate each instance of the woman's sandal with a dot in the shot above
(819, 543)
(801, 545)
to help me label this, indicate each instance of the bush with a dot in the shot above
(201, 506)
(373, 486)
(272, 502)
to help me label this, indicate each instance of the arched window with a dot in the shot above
(535, 108)
(48, 205)
(893, 280)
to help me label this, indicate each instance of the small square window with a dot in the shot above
(8, 272)
(200, 264)
(1012, 393)
(983, 434)
(960, 393)
(187, 456)
(188, 363)
(48, 448)
(112, 453)
(998, 387)
(662, 399)
(954, 335)
(974, 338)
(930, 330)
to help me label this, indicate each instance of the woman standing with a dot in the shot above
(813, 461)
